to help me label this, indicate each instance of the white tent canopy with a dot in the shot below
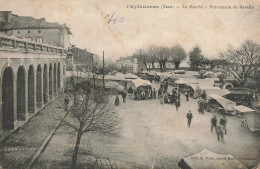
(210, 160)
(118, 76)
(140, 82)
(114, 85)
(131, 76)
(180, 81)
(243, 109)
(225, 103)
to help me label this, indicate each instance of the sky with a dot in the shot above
(210, 29)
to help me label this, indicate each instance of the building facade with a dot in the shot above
(37, 30)
(82, 59)
(31, 76)
(130, 64)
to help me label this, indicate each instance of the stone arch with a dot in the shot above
(21, 107)
(58, 76)
(31, 94)
(8, 99)
(50, 81)
(54, 78)
(45, 84)
(39, 86)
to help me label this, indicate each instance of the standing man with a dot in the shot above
(66, 103)
(117, 101)
(124, 96)
(159, 92)
(201, 106)
(177, 104)
(189, 117)
(220, 132)
(161, 98)
(187, 95)
(223, 122)
(154, 93)
(213, 123)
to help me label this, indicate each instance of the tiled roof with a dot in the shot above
(20, 22)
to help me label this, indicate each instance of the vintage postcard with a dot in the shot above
(125, 84)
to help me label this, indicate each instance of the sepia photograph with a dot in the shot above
(129, 84)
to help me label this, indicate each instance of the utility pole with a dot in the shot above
(103, 71)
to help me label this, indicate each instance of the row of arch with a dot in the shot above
(28, 92)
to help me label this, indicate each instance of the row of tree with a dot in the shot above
(174, 55)
(154, 54)
(240, 62)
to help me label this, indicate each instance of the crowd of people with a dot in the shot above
(144, 93)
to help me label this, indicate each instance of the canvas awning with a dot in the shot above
(140, 82)
(240, 91)
(131, 76)
(243, 109)
(118, 77)
(114, 85)
(225, 103)
(217, 91)
(180, 81)
(210, 160)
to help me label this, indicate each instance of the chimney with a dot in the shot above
(8, 16)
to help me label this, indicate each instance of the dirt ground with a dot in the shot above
(154, 136)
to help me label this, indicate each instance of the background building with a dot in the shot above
(82, 59)
(37, 30)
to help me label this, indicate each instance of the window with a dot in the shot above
(39, 31)
(29, 31)
(18, 32)
(39, 40)
(29, 39)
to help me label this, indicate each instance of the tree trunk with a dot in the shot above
(160, 66)
(94, 81)
(177, 65)
(75, 152)
(242, 83)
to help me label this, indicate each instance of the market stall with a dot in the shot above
(140, 83)
(181, 84)
(221, 105)
(249, 116)
(113, 87)
(119, 78)
(210, 160)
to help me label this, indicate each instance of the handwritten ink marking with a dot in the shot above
(115, 20)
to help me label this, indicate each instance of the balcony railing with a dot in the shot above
(23, 45)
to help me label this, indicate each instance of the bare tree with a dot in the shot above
(162, 55)
(142, 56)
(151, 52)
(240, 62)
(89, 112)
(177, 54)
